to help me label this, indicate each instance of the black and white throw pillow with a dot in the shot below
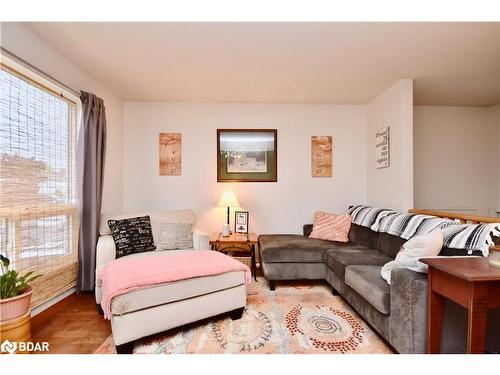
(132, 236)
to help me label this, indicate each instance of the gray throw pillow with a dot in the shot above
(176, 236)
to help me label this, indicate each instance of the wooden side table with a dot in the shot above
(236, 242)
(471, 283)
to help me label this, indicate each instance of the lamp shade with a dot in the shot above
(228, 199)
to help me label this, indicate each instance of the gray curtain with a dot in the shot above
(92, 150)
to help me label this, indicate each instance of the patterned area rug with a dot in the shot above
(298, 318)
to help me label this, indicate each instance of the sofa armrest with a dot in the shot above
(105, 253)
(307, 229)
(105, 250)
(408, 321)
(200, 240)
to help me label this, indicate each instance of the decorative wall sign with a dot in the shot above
(241, 222)
(170, 154)
(247, 155)
(321, 156)
(383, 148)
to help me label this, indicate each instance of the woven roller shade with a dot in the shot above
(38, 214)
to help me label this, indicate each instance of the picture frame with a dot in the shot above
(321, 156)
(247, 155)
(170, 154)
(383, 148)
(241, 222)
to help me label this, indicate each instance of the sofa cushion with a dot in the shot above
(339, 259)
(389, 244)
(366, 280)
(307, 229)
(161, 294)
(363, 236)
(283, 248)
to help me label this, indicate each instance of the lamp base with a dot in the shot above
(225, 230)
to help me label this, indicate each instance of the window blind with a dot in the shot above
(38, 214)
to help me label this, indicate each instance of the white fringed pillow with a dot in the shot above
(426, 245)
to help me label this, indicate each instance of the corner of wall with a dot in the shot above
(494, 121)
(407, 139)
(392, 186)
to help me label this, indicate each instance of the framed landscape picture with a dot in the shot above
(247, 155)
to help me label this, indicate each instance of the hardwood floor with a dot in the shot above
(76, 328)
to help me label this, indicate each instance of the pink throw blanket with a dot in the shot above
(127, 274)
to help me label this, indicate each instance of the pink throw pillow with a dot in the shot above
(331, 227)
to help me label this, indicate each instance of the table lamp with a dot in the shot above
(227, 199)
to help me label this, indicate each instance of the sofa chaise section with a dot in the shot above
(292, 257)
(152, 310)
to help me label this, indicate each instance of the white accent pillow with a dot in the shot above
(427, 245)
(175, 236)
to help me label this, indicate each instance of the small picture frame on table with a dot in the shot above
(241, 222)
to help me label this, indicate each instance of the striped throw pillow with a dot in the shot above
(471, 237)
(331, 227)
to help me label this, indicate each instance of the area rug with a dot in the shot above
(302, 318)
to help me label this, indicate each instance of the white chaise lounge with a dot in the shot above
(161, 307)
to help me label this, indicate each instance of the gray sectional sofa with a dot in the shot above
(398, 312)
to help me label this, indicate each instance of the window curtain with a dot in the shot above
(92, 150)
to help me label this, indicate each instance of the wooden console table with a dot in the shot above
(236, 242)
(472, 283)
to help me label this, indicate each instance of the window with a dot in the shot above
(38, 213)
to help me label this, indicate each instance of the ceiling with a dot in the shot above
(340, 63)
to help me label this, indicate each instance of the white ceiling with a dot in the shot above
(341, 63)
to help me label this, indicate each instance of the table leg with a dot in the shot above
(434, 318)
(254, 265)
(477, 318)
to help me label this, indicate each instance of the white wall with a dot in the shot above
(494, 114)
(498, 151)
(392, 187)
(274, 207)
(21, 41)
(457, 159)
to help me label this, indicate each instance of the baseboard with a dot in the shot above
(43, 312)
